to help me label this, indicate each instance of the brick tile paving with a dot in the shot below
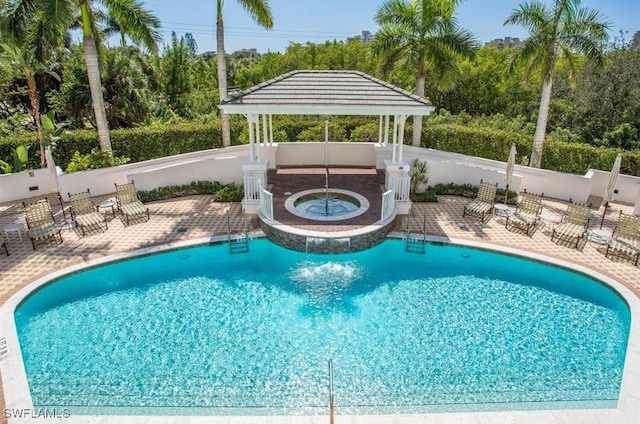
(195, 217)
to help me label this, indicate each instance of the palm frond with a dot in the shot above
(136, 22)
(260, 12)
(532, 16)
(15, 16)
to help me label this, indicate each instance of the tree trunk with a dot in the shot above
(222, 76)
(417, 120)
(93, 72)
(541, 125)
(35, 107)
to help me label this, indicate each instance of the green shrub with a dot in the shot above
(367, 133)
(229, 193)
(429, 195)
(316, 133)
(95, 160)
(169, 192)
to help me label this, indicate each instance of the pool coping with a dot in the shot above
(18, 396)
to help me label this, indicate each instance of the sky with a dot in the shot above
(300, 21)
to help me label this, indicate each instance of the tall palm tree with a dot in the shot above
(134, 20)
(260, 11)
(556, 32)
(423, 34)
(24, 60)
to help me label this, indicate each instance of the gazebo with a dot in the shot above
(325, 93)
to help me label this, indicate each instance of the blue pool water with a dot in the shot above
(201, 328)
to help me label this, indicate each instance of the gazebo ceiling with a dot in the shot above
(326, 93)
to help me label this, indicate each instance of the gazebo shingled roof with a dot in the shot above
(326, 93)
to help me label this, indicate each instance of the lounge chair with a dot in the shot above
(40, 222)
(527, 213)
(3, 245)
(625, 240)
(573, 226)
(85, 214)
(129, 204)
(482, 206)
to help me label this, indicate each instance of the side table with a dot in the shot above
(13, 227)
(106, 204)
(600, 236)
(500, 209)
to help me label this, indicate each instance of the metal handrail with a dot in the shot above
(331, 396)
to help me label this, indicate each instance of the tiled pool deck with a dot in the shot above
(198, 217)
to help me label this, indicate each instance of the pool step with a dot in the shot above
(415, 244)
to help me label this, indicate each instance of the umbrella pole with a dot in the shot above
(506, 194)
(606, 205)
(64, 216)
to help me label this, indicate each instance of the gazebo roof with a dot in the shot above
(326, 93)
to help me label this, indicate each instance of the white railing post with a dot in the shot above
(252, 188)
(266, 204)
(388, 205)
(401, 185)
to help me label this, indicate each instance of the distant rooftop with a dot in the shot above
(327, 93)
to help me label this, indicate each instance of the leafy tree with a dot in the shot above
(174, 71)
(260, 11)
(138, 23)
(421, 34)
(556, 32)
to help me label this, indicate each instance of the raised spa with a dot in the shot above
(327, 205)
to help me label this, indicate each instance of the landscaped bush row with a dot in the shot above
(163, 140)
(575, 158)
(138, 144)
(221, 192)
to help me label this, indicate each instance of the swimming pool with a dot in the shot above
(199, 328)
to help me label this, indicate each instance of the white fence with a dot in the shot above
(252, 188)
(266, 204)
(401, 186)
(388, 205)
(225, 165)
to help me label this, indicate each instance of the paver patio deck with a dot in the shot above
(195, 217)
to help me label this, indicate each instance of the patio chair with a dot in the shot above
(573, 226)
(482, 206)
(40, 222)
(625, 240)
(130, 205)
(527, 213)
(3, 245)
(85, 214)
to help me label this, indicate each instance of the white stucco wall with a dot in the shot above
(225, 165)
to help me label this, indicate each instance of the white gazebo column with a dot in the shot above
(270, 129)
(395, 138)
(257, 137)
(252, 153)
(382, 148)
(255, 179)
(396, 170)
(403, 119)
(265, 134)
(386, 130)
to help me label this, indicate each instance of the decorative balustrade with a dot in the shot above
(252, 188)
(401, 186)
(266, 204)
(388, 205)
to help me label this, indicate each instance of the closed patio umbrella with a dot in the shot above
(511, 164)
(611, 186)
(53, 170)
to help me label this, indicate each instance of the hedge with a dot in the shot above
(575, 158)
(163, 140)
(138, 144)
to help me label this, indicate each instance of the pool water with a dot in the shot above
(200, 328)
